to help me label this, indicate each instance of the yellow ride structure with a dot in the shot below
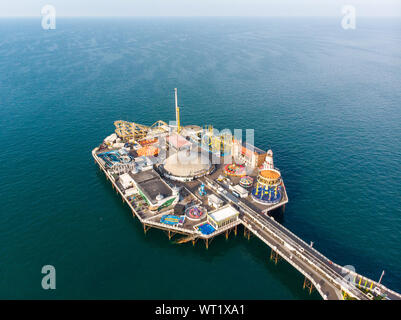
(177, 111)
(218, 142)
(131, 131)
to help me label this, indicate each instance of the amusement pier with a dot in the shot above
(196, 183)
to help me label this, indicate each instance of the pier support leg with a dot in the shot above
(247, 233)
(226, 234)
(145, 228)
(308, 284)
(274, 256)
(207, 243)
(171, 234)
(235, 230)
(193, 242)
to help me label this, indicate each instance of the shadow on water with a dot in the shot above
(278, 214)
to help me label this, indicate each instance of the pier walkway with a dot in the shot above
(330, 280)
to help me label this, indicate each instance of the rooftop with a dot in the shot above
(223, 213)
(151, 185)
(250, 147)
(212, 197)
(240, 189)
(125, 180)
(177, 141)
(253, 148)
(270, 174)
(187, 164)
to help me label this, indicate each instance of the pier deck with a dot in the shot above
(326, 276)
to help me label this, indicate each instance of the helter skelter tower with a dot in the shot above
(177, 111)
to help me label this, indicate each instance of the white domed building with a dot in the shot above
(187, 165)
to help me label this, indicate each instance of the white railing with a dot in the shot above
(289, 260)
(332, 276)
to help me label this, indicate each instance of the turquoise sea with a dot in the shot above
(326, 100)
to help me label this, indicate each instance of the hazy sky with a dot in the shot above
(200, 7)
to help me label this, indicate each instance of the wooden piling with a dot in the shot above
(308, 284)
(274, 256)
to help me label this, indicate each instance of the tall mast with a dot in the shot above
(177, 111)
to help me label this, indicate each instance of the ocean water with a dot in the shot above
(327, 101)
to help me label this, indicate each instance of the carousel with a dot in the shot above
(195, 212)
(246, 182)
(268, 189)
(235, 170)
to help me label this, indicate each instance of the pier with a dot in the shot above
(320, 273)
(199, 183)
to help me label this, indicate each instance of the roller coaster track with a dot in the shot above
(129, 131)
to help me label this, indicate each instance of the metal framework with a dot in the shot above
(217, 142)
(275, 256)
(308, 284)
(131, 131)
